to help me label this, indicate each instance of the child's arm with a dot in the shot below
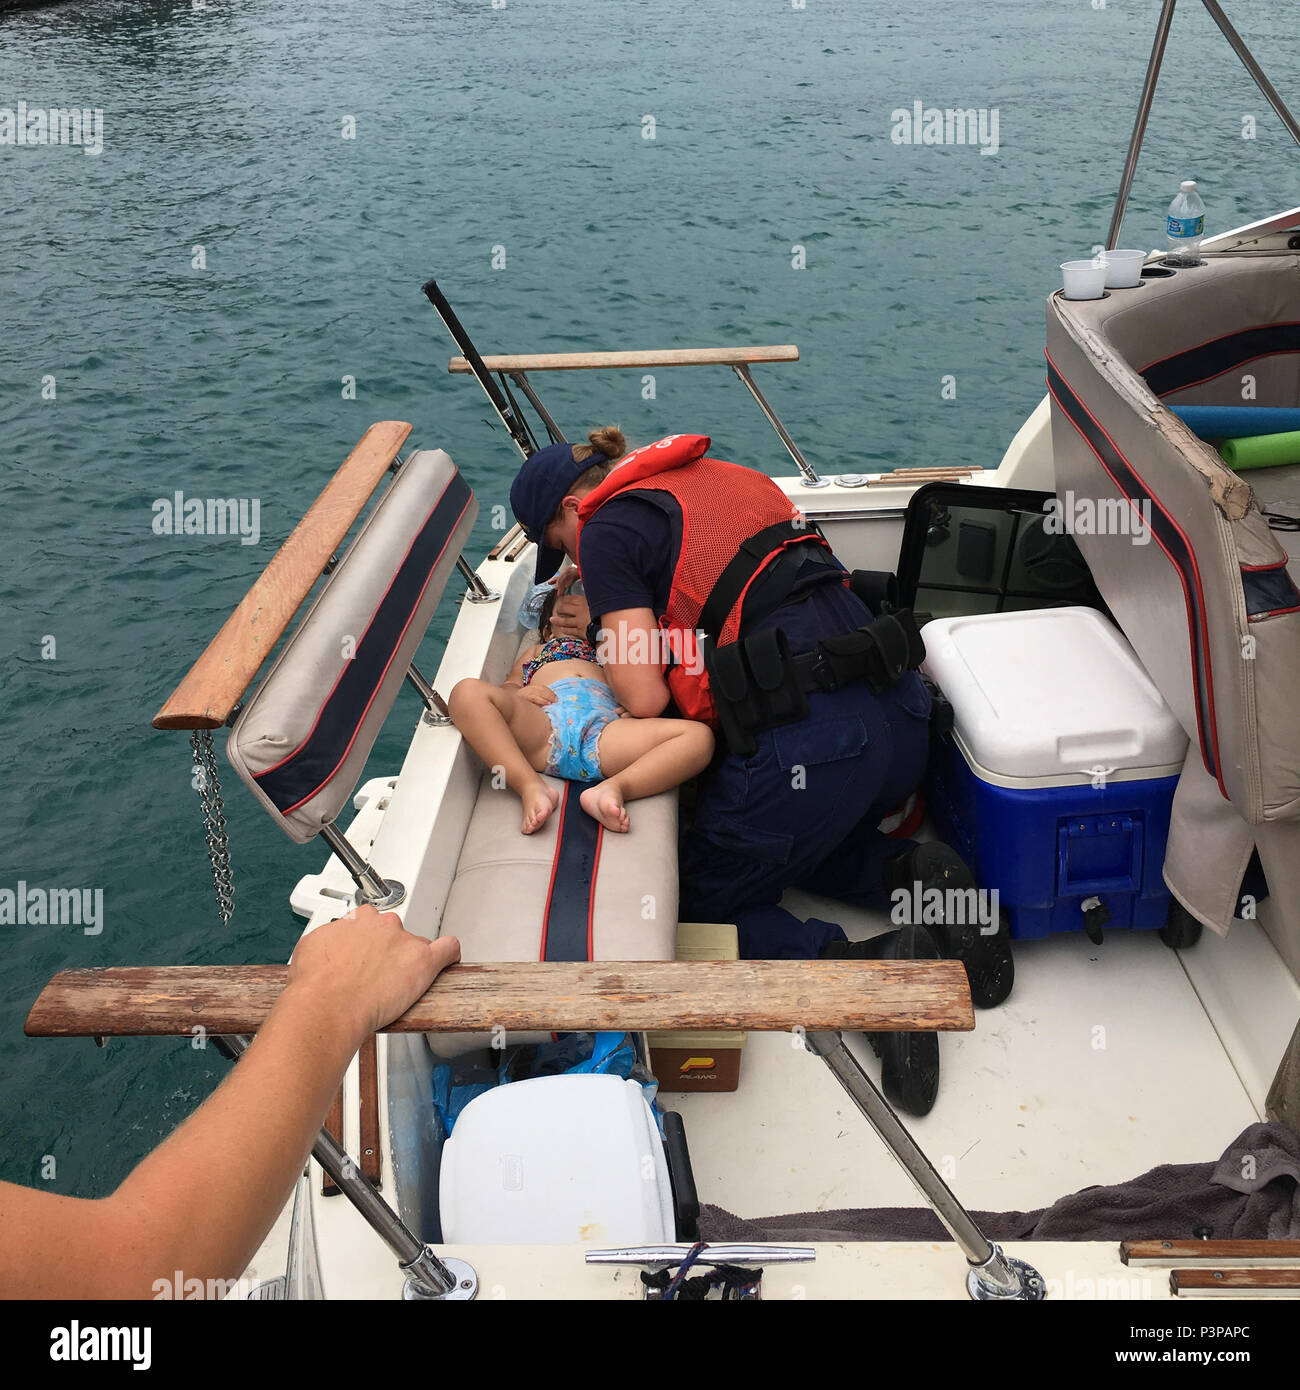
(515, 680)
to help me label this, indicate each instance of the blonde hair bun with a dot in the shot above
(608, 440)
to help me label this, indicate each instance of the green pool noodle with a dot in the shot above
(1261, 450)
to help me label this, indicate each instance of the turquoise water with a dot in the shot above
(476, 128)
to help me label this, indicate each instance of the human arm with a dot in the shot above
(203, 1201)
(515, 680)
(630, 658)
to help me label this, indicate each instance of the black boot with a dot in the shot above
(909, 1062)
(987, 958)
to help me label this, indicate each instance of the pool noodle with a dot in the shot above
(1235, 421)
(1262, 450)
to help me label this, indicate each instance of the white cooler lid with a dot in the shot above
(1051, 693)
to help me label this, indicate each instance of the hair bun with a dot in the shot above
(608, 440)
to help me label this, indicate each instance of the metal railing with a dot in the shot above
(1239, 47)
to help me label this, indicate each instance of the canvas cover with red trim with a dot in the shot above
(303, 738)
(1205, 597)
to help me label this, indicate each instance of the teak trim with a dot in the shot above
(773, 996)
(212, 686)
(1230, 1282)
(668, 357)
(334, 1127)
(368, 1090)
(1222, 1254)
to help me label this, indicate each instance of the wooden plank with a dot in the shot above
(1223, 1254)
(593, 361)
(334, 1124)
(1236, 1283)
(212, 686)
(776, 996)
(512, 535)
(369, 1071)
(957, 469)
(914, 477)
(521, 543)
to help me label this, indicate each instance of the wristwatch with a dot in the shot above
(593, 632)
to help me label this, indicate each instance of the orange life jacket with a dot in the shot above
(723, 505)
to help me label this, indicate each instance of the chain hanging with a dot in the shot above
(208, 786)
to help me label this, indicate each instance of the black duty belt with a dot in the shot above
(758, 685)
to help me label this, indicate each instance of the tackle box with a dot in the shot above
(700, 1061)
(1055, 782)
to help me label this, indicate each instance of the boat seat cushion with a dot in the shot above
(571, 891)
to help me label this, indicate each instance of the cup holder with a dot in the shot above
(1157, 272)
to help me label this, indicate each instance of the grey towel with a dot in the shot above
(1251, 1193)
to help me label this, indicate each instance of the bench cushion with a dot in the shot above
(572, 891)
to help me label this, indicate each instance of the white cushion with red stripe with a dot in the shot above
(571, 891)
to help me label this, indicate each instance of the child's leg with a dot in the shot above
(510, 734)
(640, 757)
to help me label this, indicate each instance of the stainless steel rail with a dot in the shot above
(1239, 47)
(1140, 124)
(427, 1276)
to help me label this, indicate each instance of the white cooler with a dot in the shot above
(1056, 782)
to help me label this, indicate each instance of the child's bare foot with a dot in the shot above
(539, 802)
(604, 802)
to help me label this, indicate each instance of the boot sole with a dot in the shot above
(909, 1062)
(990, 970)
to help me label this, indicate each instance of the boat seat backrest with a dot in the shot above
(1202, 590)
(302, 740)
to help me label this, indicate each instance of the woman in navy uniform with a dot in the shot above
(652, 537)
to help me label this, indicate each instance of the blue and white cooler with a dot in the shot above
(1056, 781)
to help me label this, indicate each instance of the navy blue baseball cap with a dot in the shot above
(544, 481)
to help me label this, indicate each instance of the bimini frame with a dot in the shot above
(516, 367)
(1148, 93)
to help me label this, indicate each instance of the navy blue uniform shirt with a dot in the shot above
(629, 551)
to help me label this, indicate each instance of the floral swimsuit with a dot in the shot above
(560, 649)
(579, 713)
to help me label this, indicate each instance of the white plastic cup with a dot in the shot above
(1123, 268)
(1084, 279)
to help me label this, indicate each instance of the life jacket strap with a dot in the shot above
(752, 555)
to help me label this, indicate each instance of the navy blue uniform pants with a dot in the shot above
(803, 812)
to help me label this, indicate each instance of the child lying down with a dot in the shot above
(554, 713)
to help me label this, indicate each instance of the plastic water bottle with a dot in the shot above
(1186, 226)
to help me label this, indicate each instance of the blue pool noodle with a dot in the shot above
(1234, 421)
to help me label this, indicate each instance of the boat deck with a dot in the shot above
(1104, 1062)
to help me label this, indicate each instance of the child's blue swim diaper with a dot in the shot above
(581, 709)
